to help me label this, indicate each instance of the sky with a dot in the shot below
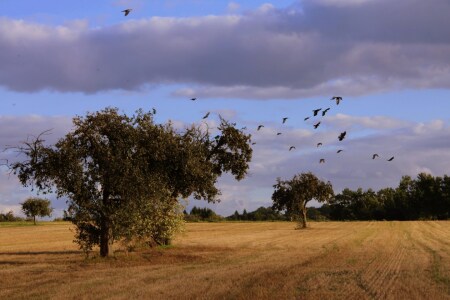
(253, 62)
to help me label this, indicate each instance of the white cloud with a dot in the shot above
(373, 122)
(233, 7)
(424, 128)
(265, 8)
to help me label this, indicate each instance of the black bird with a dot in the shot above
(254, 143)
(319, 144)
(375, 156)
(260, 126)
(307, 118)
(193, 99)
(325, 111)
(342, 135)
(244, 128)
(154, 111)
(339, 151)
(316, 125)
(205, 116)
(292, 147)
(279, 133)
(316, 111)
(391, 159)
(322, 161)
(127, 11)
(284, 120)
(338, 99)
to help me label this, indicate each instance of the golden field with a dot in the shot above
(330, 260)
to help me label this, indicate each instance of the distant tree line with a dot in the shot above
(205, 214)
(424, 198)
(10, 217)
(260, 214)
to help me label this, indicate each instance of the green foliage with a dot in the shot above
(123, 175)
(9, 217)
(425, 198)
(293, 195)
(260, 214)
(36, 207)
(205, 214)
(315, 214)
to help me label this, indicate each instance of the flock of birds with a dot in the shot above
(316, 112)
(341, 136)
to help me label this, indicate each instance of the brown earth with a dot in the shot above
(330, 260)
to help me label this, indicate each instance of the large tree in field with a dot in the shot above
(36, 207)
(123, 175)
(293, 195)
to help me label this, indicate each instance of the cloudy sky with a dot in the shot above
(253, 62)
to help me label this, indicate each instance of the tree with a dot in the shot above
(9, 217)
(124, 175)
(33, 207)
(244, 215)
(293, 195)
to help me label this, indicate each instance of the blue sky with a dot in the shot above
(253, 62)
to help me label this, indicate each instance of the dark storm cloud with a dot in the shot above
(313, 48)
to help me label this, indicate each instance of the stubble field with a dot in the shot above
(330, 260)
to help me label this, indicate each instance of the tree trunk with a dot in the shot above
(106, 239)
(106, 236)
(34, 220)
(303, 217)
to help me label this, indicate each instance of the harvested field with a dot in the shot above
(330, 260)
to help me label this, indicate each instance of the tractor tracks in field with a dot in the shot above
(380, 276)
(285, 273)
(432, 239)
(380, 263)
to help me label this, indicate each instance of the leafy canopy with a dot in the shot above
(122, 173)
(36, 207)
(293, 195)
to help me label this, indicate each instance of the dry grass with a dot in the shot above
(355, 260)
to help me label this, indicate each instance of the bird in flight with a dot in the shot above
(307, 118)
(316, 125)
(127, 11)
(205, 116)
(193, 99)
(338, 99)
(319, 144)
(244, 128)
(339, 151)
(284, 120)
(322, 161)
(292, 147)
(259, 127)
(279, 133)
(342, 135)
(391, 159)
(375, 156)
(325, 111)
(316, 111)
(254, 143)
